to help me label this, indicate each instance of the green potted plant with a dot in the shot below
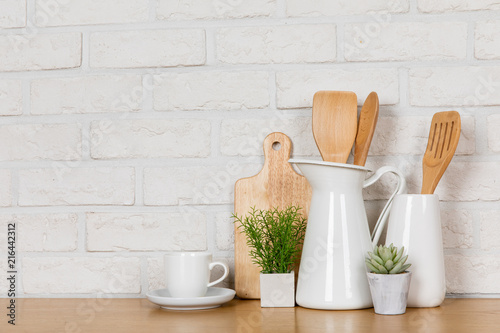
(275, 237)
(389, 279)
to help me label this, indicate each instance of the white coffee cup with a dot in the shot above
(188, 273)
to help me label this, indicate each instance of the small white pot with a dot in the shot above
(277, 290)
(389, 292)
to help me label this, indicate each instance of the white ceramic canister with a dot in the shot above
(415, 223)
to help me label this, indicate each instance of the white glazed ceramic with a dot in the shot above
(415, 223)
(277, 290)
(332, 274)
(389, 292)
(188, 273)
(214, 297)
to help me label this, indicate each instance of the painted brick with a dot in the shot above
(470, 181)
(409, 135)
(442, 6)
(490, 230)
(493, 124)
(334, 8)
(87, 94)
(406, 41)
(156, 273)
(13, 14)
(146, 232)
(40, 232)
(244, 137)
(150, 138)
(6, 188)
(472, 274)
(277, 44)
(295, 89)
(11, 97)
(4, 283)
(64, 185)
(211, 90)
(40, 142)
(147, 48)
(213, 9)
(224, 237)
(451, 86)
(81, 275)
(487, 40)
(40, 51)
(458, 229)
(79, 12)
(194, 185)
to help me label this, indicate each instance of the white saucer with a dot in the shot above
(215, 297)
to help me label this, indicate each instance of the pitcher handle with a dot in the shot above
(400, 189)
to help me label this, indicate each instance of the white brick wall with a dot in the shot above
(430, 6)
(151, 138)
(408, 41)
(88, 275)
(146, 232)
(11, 97)
(40, 141)
(124, 124)
(211, 90)
(212, 9)
(295, 89)
(6, 188)
(150, 48)
(487, 40)
(286, 44)
(88, 94)
(13, 14)
(66, 185)
(40, 51)
(42, 232)
(78, 12)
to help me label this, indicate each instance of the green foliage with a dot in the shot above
(387, 260)
(274, 237)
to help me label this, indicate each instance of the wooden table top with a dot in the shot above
(139, 315)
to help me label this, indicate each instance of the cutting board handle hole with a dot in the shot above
(277, 145)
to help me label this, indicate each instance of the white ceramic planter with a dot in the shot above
(277, 290)
(389, 292)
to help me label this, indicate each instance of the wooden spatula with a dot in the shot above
(443, 141)
(366, 127)
(334, 124)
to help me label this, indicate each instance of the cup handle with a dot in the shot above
(400, 188)
(226, 272)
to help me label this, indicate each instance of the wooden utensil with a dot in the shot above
(276, 185)
(443, 141)
(366, 127)
(334, 124)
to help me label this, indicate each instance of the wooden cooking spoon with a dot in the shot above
(334, 124)
(443, 141)
(366, 127)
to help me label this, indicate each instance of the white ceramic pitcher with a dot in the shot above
(332, 273)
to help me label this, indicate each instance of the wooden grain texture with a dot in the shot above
(139, 315)
(334, 124)
(366, 127)
(443, 140)
(276, 185)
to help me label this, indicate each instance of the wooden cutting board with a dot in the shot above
(276, 185)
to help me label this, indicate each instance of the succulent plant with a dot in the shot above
(387, 260)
